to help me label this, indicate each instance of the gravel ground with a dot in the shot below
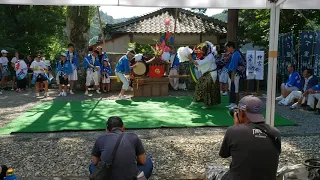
(178, 153)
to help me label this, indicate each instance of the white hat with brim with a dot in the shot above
(64, 54)
(4, 52)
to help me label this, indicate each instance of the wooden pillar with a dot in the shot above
(232, 27)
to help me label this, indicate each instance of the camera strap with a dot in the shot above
(267, 130)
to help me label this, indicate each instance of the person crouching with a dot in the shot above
(92, 65)
(39, 76)
(64, 71)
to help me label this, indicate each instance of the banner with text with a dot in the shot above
(259, 65)
(250, 64)
(281, 60)
(306, 50)
(316, 55)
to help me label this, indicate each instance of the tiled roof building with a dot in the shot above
(191, 29)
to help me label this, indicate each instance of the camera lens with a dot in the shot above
(231, 112)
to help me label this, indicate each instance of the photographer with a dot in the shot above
(253, 145)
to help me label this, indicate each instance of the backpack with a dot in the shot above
(242, 67)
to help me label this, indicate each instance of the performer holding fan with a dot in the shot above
(207, 88)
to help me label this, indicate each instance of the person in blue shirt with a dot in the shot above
(64, 71)
(73, 58)
(174, 69)
(234, 77)
(102, 56)
(123, 68)
(314, 94)
(293, 83)
(92, 65)
(105, 74)
(307, 82)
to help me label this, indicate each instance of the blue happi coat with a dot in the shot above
(123, 65)
(294, 80)
(74, 61)
(88, 60)
(106, 69)
(176, 61)
(64, 69)
(316, 87)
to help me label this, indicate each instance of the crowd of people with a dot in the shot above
(305, 90)
(254, 147)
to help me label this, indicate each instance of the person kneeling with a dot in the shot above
(130, 161)
(64, 71)
(253, 145)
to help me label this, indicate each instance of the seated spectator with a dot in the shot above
(308, 82)
(314, 94)
(255, 154)
(130, 158)
(293, 83)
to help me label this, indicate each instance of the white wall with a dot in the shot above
(119, 45)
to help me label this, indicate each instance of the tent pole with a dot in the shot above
(280, 2)
(272, 65)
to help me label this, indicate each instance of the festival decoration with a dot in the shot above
(183, 53)
(156, 71)
(166, 40)
(165, 56)
(167, 22)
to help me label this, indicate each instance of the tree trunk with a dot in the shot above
(233, 19)
(78, 31)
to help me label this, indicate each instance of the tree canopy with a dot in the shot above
(30, 29)
(254, 25)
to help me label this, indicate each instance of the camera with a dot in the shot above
(231, 112)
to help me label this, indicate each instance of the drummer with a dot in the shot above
(133, 61)
(123, 67)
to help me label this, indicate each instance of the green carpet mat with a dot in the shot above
(136, 113)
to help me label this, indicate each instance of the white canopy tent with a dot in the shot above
(220, 4)
(273, 5)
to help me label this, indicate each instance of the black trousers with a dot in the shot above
(22, 84)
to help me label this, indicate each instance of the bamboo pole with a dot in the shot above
(101, 30)
(175, 23)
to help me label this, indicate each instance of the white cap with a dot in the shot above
(64, 54)
(4, 52)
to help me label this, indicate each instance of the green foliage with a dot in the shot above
(30, 29)
(222, 16)
(254, 24)
(106, 20)
(199, 10)
(145, 49)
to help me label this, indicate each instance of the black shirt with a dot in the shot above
(125, 165)
(254, 156)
